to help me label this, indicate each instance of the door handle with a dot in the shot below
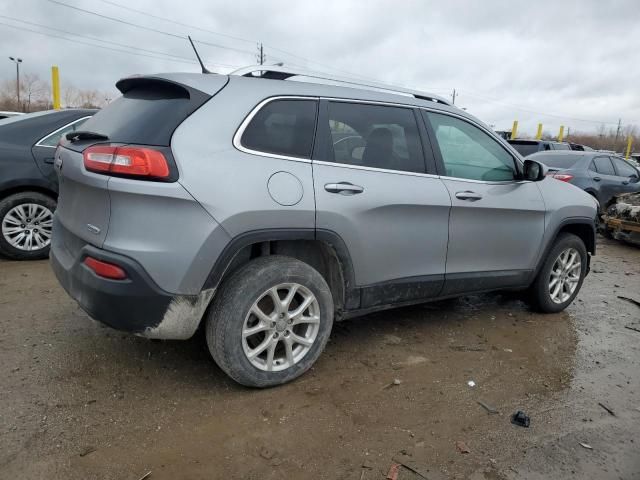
(343, 188)
(626, 182)
(48, 160)
(468, 195)
(596, 179)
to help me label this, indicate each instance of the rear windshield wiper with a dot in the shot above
(85, 135)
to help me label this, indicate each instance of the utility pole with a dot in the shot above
(453, 97)
(17, 61)
(615, 145)
(260, 55)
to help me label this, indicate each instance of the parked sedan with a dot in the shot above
(28, 183)
(599, 174)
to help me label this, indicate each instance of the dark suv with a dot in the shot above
(527, 147)
(28, 183)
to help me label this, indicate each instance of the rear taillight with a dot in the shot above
(133, 161)
(563, 177)
(105, 269)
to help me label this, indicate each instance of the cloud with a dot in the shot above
(572, 63)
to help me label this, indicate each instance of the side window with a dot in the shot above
(53, 138)
(375, 136)
(603, 166)
(282, 127)
(547, 146)
(468, 152)
(623, 168)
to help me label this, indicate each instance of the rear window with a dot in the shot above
(147, 114)
(557, 161)
(282, 127)
(525, 148)
(561, 146)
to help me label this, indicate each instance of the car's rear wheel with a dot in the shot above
(561, 276)
(26, 220)
(270, 321)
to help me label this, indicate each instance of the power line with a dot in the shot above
(212, 32)
(156, 52)
(93, 45)
(149, 29)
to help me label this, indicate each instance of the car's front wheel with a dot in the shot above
(270, 321)
(561, 276)
(26, 219)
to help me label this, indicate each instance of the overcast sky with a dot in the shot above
(575, 63)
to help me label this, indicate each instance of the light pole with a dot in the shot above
(17, 61)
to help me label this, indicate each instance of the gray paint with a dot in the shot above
(401, 226)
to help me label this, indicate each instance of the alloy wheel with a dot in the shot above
(565, 275)
(281, 327)
(27, 227)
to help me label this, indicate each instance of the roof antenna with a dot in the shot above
(204, 69)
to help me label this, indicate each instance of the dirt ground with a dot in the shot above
(81, 401)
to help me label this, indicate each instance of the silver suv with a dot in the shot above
(268, 203)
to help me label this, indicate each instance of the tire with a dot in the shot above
(540, 293)
(15, 245)
(233, 310)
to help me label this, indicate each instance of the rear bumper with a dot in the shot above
(135, 305)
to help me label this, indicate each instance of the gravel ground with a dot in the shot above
(81, 401)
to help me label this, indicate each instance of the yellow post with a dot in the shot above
(514, 130)
(561, 134)
(55, 87)
(539, 134)
(629, 140)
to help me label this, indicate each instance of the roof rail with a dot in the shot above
(275, 72)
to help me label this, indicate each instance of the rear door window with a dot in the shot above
(376, 136)
(283, 127)
(603, 165)
(623, 168)
(53, 138)
(468, 152)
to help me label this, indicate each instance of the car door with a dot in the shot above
(627, 176)
(605, 179)
(497, 220)
(382, 197)
(44, 150)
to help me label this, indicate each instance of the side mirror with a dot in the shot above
(534, 171)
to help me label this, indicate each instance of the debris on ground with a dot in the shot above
(521, 419)
(393, 471)
(419, 470)
(471, 383)
(586, 445)
(462, 447)
(266, 453)
(146, 475)
(632, 300)
(622, 220)
(86, 451)
(488, 408)
(635, 328)
(468, 348)
(607, 409)
(395, 383)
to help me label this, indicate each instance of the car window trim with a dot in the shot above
(608, 157)
(327, 131)
(237, 137)
(440, 161)
(39, 142)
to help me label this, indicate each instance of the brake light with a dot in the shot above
(135, 161)
(105, 269)
(563, 177)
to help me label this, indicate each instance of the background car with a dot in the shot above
(599, 174)
(5, 114)
(581, 148)
(28, 183)
(527, 147)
